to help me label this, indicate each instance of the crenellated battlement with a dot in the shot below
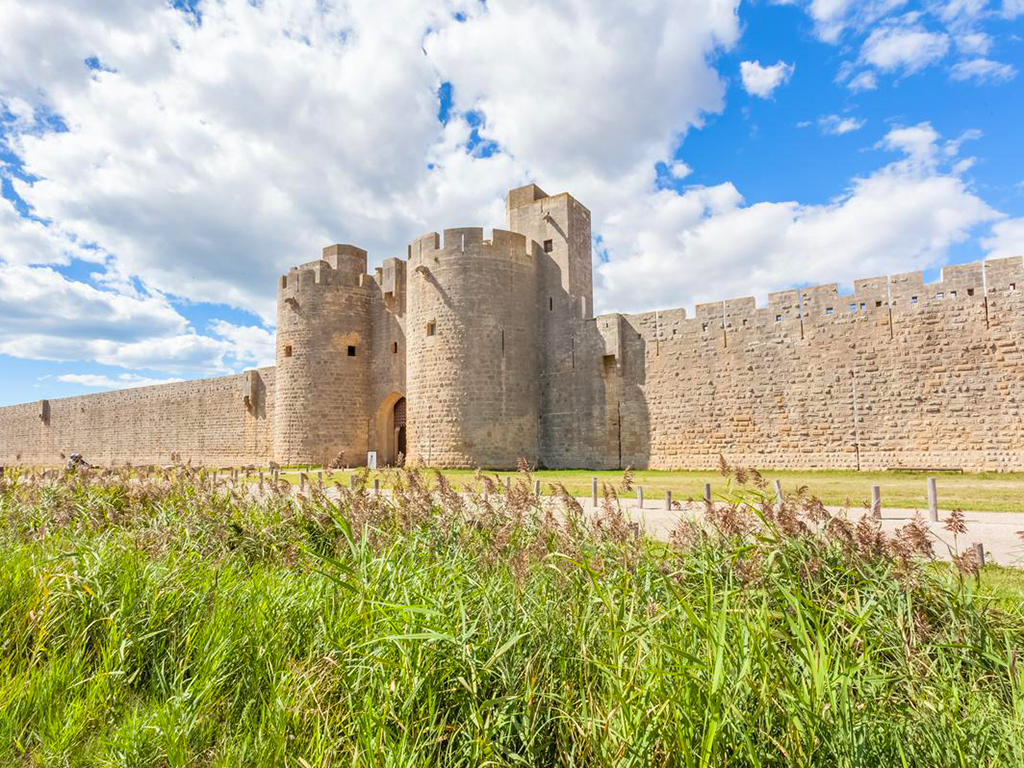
(489, 336)
(902, 290)
(893, 294)
(459, 241)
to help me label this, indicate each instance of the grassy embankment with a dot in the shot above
(992, 492)
(171, 623)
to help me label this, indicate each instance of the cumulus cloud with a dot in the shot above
(630, 78)
(982, 71)
(47, 316)
(248, 343)
(762, 81)
(833, 17)
(907, 47)
(974, 43)
(706, 244)
(27, 240)
(863, 81)
(1006, 239)
(837, 125)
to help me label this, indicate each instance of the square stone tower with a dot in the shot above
(561, 226)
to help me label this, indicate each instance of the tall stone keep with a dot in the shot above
(473, 360)
(324, 317)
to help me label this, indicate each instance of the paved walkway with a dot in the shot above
(1000, 533)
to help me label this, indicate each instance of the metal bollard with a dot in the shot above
(376, 486)
(933, 500)
(668, 499)
(302, 481)
(778, 492)
(707, 493)
(640, 496)
(876, 501)
(593, 491)
(320, 478)
(536, 488)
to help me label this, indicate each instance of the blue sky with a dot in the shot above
(162, 162)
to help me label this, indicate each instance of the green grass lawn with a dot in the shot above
(994, 492)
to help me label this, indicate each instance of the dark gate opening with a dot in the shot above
(399, 414)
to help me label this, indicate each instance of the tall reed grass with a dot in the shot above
(170, 622)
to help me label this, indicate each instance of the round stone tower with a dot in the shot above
(473, 360)
(322, 401)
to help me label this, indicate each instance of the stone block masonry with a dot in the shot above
(481, 347)
(223, 421)
(898, 374)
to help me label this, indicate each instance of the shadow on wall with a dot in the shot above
(594, 411)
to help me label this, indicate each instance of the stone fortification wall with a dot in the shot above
(473, 357)
(900, 373)
(224, 421)
(324, 354)
(389, 350)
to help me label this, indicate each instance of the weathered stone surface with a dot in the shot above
(493, 343)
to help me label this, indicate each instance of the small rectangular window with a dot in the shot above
(288, 350)
(862, 305)
(549, 246)
(1013, 286)
(351, 351)
(913, 299)
(940, 295)
(952, 294)
(878, 303)
(970, 291)
(853, 307)
(431, 328)
(778, 318)
(394, 347)
(829, 311)
(551, 304)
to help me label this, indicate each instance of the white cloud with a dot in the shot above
(837, 126)
(974, 43)
(982, 71)
(918, 142)
(762, 81)
(707, 245)
(47, 316)
(1007, 239)
(962, 11)
(907, 47)
(573, 84)
(863, 81)
(833, 17)
(250, 344)
(101, 381)
(1011, 9)
(26, 240)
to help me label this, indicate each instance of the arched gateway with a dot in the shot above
(390, 429)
